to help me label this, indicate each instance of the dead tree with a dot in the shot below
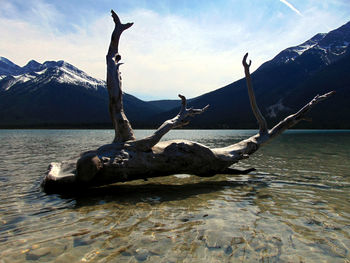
(127, 158)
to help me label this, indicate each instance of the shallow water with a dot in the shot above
(294, 208)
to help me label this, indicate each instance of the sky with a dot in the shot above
(175, 46)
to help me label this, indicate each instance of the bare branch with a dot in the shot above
(293, 119)
(118, 30)
(121, 124)
(260, 118)
(180, 120)
(245, 148)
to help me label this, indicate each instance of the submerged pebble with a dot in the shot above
(141, 254)
(35, 254)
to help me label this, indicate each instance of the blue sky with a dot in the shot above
(188, 47)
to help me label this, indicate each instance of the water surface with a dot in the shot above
(294, 208)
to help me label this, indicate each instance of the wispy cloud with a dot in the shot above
(291, 7)
(165, 53)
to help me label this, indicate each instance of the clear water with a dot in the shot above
(294, 208)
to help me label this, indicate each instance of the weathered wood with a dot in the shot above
(121, 124)
(129, 159)
(260, 118)
(178, 121)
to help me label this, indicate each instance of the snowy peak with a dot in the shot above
(336, 41)
(308, 44)
(51, 64)
(6, 61)
(50, 71)
(8, 68)
(32, 66)
(67, 73)
(290, 54)
(329, 47)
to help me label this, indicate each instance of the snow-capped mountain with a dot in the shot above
(35, 72)
(57, 93)
(291, 53)
(329, 47)
(32, 66)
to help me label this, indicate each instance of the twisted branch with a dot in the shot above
(258, 115)
(180, 120)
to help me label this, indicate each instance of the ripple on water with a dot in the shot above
(294, 208)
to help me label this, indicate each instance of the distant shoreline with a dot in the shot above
(109, 127)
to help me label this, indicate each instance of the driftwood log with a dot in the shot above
(127, 158)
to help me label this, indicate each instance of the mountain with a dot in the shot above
(58, 94)
(33, 66)
(8, 68)
(165, 105)
(284, 84)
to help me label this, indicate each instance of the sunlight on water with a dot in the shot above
(294, 208)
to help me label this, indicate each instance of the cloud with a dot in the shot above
(291, 7)
(164, 54)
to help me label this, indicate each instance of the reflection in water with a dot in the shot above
(293, 208)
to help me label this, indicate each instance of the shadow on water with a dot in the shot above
(149, 192)
(171, 188)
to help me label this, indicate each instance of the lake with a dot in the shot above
(294, 208)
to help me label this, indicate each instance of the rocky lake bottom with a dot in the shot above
(294, 208)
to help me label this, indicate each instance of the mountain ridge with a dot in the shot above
(56, 94)
(282, 85)
(274, 84)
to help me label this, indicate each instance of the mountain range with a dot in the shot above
(57, 94)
